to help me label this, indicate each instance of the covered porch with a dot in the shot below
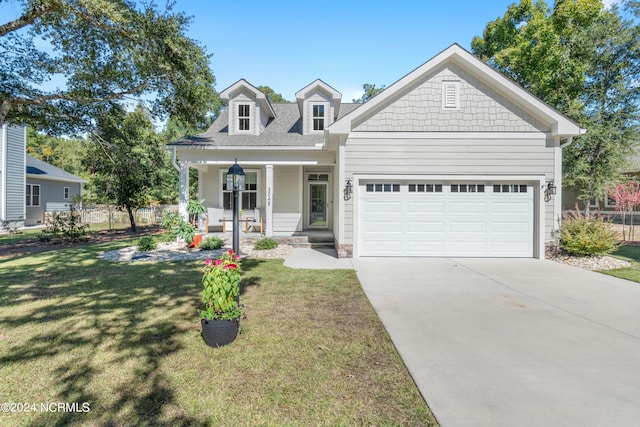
(281, 198)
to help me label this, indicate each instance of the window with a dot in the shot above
(450, 95)
(248, 197)
(425, 188)
(318, 117)
(467, 188)
(510, 188)
(318, 177)
(66, 193)
(33, 195)
(383, 188)
(244, 115)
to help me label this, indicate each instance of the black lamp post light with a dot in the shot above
(235, 182)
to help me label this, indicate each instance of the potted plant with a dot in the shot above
(220, 318)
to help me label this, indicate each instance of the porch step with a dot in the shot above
(314, 242)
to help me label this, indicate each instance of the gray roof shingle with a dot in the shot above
(40, 169)
(284, 130)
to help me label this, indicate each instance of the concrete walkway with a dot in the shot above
(320, 259)
(512, 342)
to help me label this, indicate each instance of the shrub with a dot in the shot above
(587, 235)
(211, 243)
(147, 243)
(266, 243)
(67, 224)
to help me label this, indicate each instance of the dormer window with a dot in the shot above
(318, 117)
(244, 117)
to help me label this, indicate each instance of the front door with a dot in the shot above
(318, 209)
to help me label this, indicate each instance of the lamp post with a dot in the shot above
(235, 182)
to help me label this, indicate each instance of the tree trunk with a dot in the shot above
(132, 219)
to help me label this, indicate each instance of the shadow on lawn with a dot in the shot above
(126, 318)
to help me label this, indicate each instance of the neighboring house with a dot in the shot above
(48, 189)
(12, 178)
(453, 159)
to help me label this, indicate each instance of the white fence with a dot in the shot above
(110, 214)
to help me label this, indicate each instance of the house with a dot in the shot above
(30, 187)
(453, 159)
(48, 189)
(12, 174)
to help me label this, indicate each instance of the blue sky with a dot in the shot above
(288, 44)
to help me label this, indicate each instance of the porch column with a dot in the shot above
(183, 190)
(269, 210)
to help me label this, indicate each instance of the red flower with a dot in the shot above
(230, 251)
(208, 262)
(218, 262)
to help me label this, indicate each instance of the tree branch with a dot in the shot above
(29, 17)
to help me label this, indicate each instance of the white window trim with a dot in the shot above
(450, 95)
(29, 197)
(324, 116)
(258, 188)
(238, 117)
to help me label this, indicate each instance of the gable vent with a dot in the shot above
(450, 95)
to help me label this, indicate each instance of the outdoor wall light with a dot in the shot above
(348, 188)
(549, 191)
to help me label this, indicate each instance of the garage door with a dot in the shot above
(470, 219)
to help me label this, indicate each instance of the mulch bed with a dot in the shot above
(33, 246)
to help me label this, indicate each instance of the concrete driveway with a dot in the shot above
(512, 342)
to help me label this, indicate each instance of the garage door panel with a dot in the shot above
(511, 227)
(390, 208)
(467, 208)
(421, 227)
(414, 220)
(511, 208)
(425, 207)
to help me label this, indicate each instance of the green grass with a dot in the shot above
(126, 339)
(630, 253)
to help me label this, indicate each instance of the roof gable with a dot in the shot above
(243, 86)
(319, 86)
(455, 57)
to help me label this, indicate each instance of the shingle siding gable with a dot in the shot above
(420, 109)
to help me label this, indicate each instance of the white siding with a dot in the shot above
(287, 191)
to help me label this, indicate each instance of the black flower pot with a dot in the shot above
(218, 332)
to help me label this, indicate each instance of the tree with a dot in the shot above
(369, 92)
(126, 159)
(583, 59)
(104, 51)
(627, 198)
(64, 153)
(271, 95)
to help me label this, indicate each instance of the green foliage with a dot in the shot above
(147, 243)
(66, 225)
(266, 243)
(582, 59)
(125, 159)
(177, 226)
(369, 92)
(106, 51)
(221, 288)
(273, 97)
(64, 153)
(587, 235)
(211, 243)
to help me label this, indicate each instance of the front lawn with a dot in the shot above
(125, 339)
(630, 253)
